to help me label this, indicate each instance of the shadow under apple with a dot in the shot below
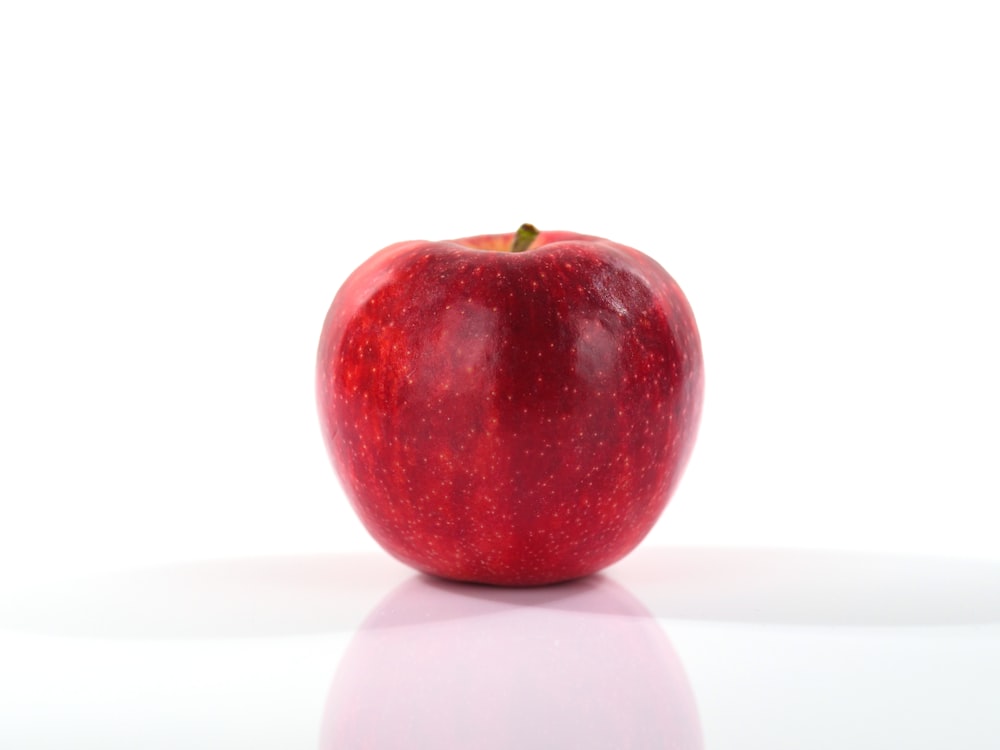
(443, 665)
(287, 596)
(252, 597)
(812, 587)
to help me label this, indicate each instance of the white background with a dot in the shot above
(184, 186)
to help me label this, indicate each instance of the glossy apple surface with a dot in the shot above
(514, 418)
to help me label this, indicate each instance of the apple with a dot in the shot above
(511, 409)
(445, 666)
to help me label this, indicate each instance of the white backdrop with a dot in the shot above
(184, 186)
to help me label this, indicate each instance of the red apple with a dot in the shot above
(510, 409)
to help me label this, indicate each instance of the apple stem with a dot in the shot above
(523, 238)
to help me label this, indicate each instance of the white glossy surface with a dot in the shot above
(685, 648)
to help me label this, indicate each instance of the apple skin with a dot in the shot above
(512, 418)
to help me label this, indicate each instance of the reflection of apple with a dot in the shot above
(450, 666)
(510, 409)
